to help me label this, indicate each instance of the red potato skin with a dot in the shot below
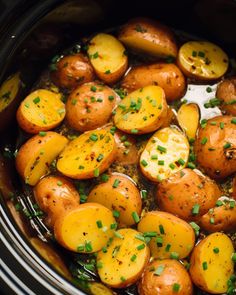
(226, 91)
(178, 194)
(167, 76)
(54, 195)
(174, 272)
(220, 162)
(72, 71)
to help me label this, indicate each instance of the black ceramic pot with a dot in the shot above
(31, 32)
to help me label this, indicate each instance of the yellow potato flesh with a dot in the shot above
(43, 108)
(9, 90)
(176, 145)
(99, 289)
(203, 60)
(178, 234)
(41, 155)
(188, 118)
(78, 228)
(148, 111)
(79, 159)
(110, 53)
(117, 268)
(219, 266)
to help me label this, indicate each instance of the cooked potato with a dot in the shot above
(72, 71)
(162, 154)
(124, 260)
(108, 57)
(226, 91)
(170, 117)
(215, 147)
(88, 155)
(41, 110)
(167, 76)
(165, 277)
(221, 218)
(211, 265)
(54, 195)
(202, 60)
(148, 36)
(172, 237)
(10, 95)
(142, 111)
(188, 118)
(36, 154)
(127, 151)
(119, 193)
(85, 229)
(51, 256)
(99, 289)
(90, 106)
(234, 188)
(187, 194)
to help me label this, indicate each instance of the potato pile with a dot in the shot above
(122, 115)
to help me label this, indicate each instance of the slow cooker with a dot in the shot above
(31, 32)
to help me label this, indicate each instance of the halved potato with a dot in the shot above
(162, 154)
(88, 155)
(107, 56)
(148, 36)
(119, 193)
(172, 237)
(34, 156)
(85, 229)
(211, 265)
(165, 277)
(226, 91)
(188, 118)
(54, 195)
(41, 110)
(124, 259)
(202, 60)
(142, 111)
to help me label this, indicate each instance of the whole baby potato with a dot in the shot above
(180, 193)
(165, 277)
(167, 76)
(54, 195)
(72, 70)
(215, 147)
(226, 91)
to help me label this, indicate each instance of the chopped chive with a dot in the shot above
(111, 97)
(100, 157)
(174, 255)
(99, 264)
(116, 213)
(167, 248)
(123, 279)
(213, 123)
(42, 133)
(99, 223)
(104, 249)
(227, 145)
(80, 248)
(104, 177)
(154, 157)
(133, 258)
(181, 161)
(118, 235)
(203, 123)
(159, 270)
(135, 217)
(204, 265)
(99, 100)
(145, 118)
(222, 125)
(194, 53)
(231, 204)
(159, 241)
(140, 237)
(195, 227)
(134, 131)
(219, 203)
(59, 183)
(144, 163)
(122, 106)
(212, 220)
(96, 172)
(172, 166)
(93, 137)
(113, 130)
(27, 105)
(195, 209)
(211, 149)
(176, 287)
(201, 53)
(36, 100)
(208, 89)
(144, 194)
(107, 72)
(116, 183)
(233, 257)
(161, 228)
(161, 149)
(216, 250)
(233, 121)
(191, 140)
(93, 88)
(88, 247)
(191, 165)
(161, 162)
(123, 138)
(140, 247)
(204, 140)
(113, 226)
